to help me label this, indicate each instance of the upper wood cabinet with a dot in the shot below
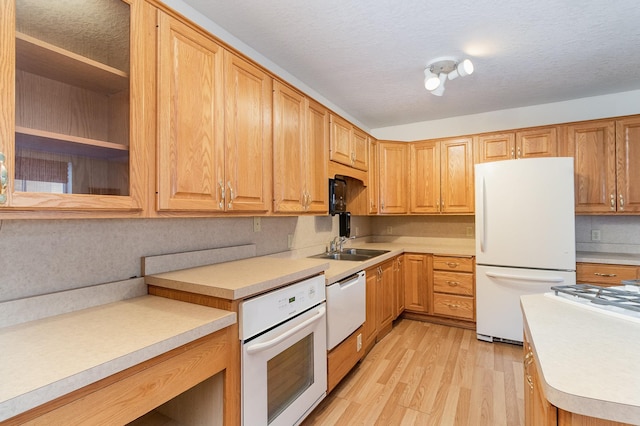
(606, 162)
(301, 133)
(374, 166)
(71, 108)
(393, 189)
(348, 144)
(441, 176)
(209, 160)
(527, 143)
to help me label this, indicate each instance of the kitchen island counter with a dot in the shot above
(588, 361)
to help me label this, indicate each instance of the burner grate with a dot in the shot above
(606, 296)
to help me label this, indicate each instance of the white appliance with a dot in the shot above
(346, 308)
(525, 238)
(284, 353)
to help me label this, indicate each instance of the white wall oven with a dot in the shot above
(284, 353)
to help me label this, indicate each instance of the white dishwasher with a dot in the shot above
(346, 308)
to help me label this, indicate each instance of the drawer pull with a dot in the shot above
(528, 358)
(453, 283)
(453, 264)
(453, 305)
(530, 382)
(600, 274)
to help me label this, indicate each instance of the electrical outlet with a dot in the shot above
(595, 235)
(257, 224)
(359, 342)
(290, 241)
(389, 230)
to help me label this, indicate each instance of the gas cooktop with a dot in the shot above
(617, 301)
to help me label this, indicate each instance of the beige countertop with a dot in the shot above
(611, 258)
(588, 360)
(50, 357)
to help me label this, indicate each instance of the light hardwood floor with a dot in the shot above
(429, 374)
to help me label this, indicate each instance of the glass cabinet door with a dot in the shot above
(73, 110)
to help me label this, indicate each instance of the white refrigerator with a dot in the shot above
(525, 238)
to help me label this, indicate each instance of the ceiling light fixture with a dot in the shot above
(438, 71)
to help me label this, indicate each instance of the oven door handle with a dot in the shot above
(268, 344)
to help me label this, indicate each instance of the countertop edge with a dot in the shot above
(578, 404)
(32, 399)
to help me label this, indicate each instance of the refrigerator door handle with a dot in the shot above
(549, 279)
(482, 228)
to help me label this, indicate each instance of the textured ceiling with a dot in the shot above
(368, 57)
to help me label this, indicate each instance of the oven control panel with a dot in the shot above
(267, 310)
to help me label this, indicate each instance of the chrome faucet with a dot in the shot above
(336, 244)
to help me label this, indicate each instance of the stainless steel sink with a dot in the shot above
(353, 254)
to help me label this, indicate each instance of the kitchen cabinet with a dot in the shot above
(370, 326)
(385, 298)
(398, 285)
(343, 358)
(606, 160)
(372, 189)
(441, 176)
(525, 143)
(208, 160)
(393, 188)
(72, 113)
(605, 274)
(417, 281)
(454, 287)
(348, 144)
(301, 134)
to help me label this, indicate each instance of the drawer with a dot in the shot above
(343, 358)
(453, 306)
(452, 263)
(600, 273)
(453, 282)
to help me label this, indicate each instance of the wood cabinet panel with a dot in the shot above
(370, 326)
(342, 359)
(348, 144)
(191, 119)
(453, 263)
(592, 145)
(424, 177)
(537, 142)
(454, 287)
(248, 145)
(386, 301)
(605, 274)
(393, 177)
(453, 283)
(373, 188)
(628, 165)
(316, 148)
(453, 306)
(398, 285)
(418, 281)
(456, 176)
(495, 147)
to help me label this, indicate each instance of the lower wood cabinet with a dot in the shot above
(605, 274)
(344, 357)
(398, 285)
(385, 298)
(417, 282)
(370, 326)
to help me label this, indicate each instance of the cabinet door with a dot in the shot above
(456, 176)
(386, 304)
(393, 177)
(317, 138)
(628, 165)
(538, 142)
(370, 327)
(190, 119)
(592, 145)
(398, 285)
(248, 146)
(288, 149)
(340, 141)
(425, 177)
(417, 281)
(495, 147)
(372, 189)
(360, 147)
(72, 136)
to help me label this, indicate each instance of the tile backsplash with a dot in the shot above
(618, 234)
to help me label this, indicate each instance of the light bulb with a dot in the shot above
(438, 91)
(462, 69)
(431, 81)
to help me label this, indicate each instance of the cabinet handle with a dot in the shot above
(231, 194)
(4, 179)
(530, 382)
(621, 202)
(612, 202)
(512, 153)
(453, 264)
(600, 274)
(519, 155)
(528, 358)
(453, 305)
(222, 194)
(453, 283)
(382, 204)
(353, 158)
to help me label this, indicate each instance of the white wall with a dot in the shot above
(618, 104)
